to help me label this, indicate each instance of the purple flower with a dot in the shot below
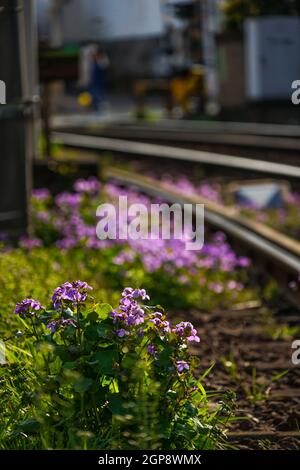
(72, 201)
(182, 366)
(151, 349)
(68, 322)
(52, 326)
(28, 306)
(186, 330)
(67, 292)
(140, 293)
(243, 261)
(62, 323)
(216, 287)
(129, 292)
(121, 333)
(129, 311)
(82, 285)
(66, 243)
(162, 325)
(41, 194)
(89, 186)
(43, 216)
(30, 242)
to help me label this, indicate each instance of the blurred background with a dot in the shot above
(235, 59)
(71, 62)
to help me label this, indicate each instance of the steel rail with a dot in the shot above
(191, 136)
(218, 217)
(183, 125)
(168, 152)
(254, 128)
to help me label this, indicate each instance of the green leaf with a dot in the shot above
(130, 360)
(116, 404)
(92, 317)
(91, 332)
(101, 331)
(29, 426)
(70, 365)
(103, 310)
(165, 357)
(106, 359)
(83, 385)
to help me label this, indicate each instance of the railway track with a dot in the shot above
(181, 125)
(274, 143)
(141, 150)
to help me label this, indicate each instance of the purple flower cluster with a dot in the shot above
(130, 318)
(88, 186)
(186, 330)
(75, 292)
(66, 201)
(28, 306)
(41, 194)
(208, 191)
(219, 255)
(129, 293)
(69, 221)
(130, 314)
(129, 311)
(162, 326)
(54, 325)
(29, 243)
(74, 221)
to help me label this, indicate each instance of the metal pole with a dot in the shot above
(18, 71)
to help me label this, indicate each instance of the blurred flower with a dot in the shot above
(41, 194)
(68, 199)
(43, 216)
(216, 287)
(90, 185)
(29, 243)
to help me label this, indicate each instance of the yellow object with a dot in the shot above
(182, 88)
(85, 99)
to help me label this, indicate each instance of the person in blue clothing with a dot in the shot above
(98, 77)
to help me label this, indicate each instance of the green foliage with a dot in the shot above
(82, 385)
